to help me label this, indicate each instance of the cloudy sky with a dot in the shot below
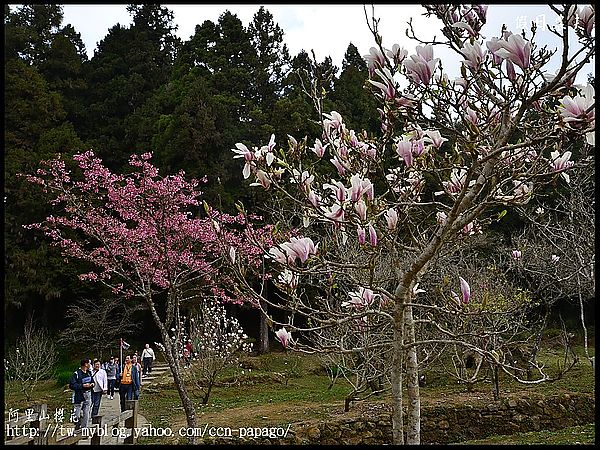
(326, 29)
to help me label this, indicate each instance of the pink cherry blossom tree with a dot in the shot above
(149, 238)
(451, 154)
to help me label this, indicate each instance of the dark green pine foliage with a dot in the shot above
(63, 70)
(270, 67)
(198, 52)
(194, 121)
(34, 130)
(351, 98)
(29, 32)
(129, 65)
(232, 78)
(294, 112)
(41, 59)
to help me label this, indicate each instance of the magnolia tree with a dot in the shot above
(556, 248)
(498, 317)
(217, 340)
(148, 238)
(450, 154)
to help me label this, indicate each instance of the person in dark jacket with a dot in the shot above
(137, 373)
(112, 367)
(82, 383)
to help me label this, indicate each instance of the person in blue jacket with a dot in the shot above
(137, 377)
(82, 383)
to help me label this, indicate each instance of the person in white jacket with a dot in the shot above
(100, 386)
(147, 359)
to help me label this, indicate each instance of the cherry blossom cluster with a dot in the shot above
(141, 231)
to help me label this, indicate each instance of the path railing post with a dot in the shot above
(40, 423)
(96, 438)
(131, 422)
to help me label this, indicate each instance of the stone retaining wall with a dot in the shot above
(445, 424)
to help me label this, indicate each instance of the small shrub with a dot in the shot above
(32, 359)
(63, 377)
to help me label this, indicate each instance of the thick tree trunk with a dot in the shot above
(188, 405)
(397, 368)
(413, 428)
(263, 340)
(173, 362)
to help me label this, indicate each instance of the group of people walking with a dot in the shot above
(91, 380)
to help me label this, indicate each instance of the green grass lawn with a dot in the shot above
(47, 391)
(307, 392)
(303, 385)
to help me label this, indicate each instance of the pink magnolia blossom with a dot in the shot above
(420, 67)
(278, 255)
(289, 279)
(284, 337)
(435, 138)
(362, 298)
(361, 209)
(467, 230)
(263, 179)
(243, 152)
(560, 163)
(441, 217)
(372, 235)
(404, 150)
(362, 235)
(493, 46)
(515, 49)
(338, 165)
(417, 147)
(314, 199)
(305, 179)
(471, 116)
(332, 122)
(579, 111)
(375, 59)
(318, 148)
(391, 216)
(397, 53)
(343, 151)
(387, 88)
(555, 258)
(334, 213)
(300, 248)
(457, 181)
(338, 189)
(465, 290)
(516, 255)
(586, 19)
(360, 186)
(473, 53)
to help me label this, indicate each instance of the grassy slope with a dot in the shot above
(258, 398)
